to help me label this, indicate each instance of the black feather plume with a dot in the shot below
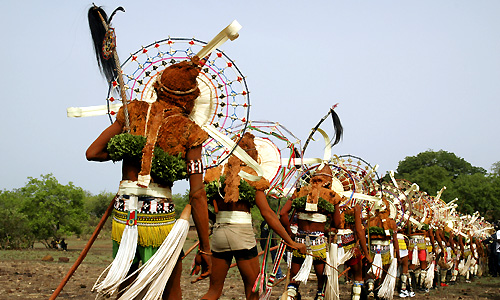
(98, 31)
(337, 126)
(119, 8)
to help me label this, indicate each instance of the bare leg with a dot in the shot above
(217, 278)
(129, 281)
(173, 288)
(319, 270)
(249, 270)
(357, 270)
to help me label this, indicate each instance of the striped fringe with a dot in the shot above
(258, 286)
(462, 270)
(345, 256)
(270, 281)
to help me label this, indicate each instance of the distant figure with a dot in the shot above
(63, 245)
(494, 260)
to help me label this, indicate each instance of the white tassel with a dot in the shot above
(414, 259)
(120, 266)
(331, 271)
(289, 256)
(468, 264)
(154, 274)
(347, 255)
(305, 269)
(340, 254)
(461, 267)
(387, 288)
(376, 268)
(429, 277)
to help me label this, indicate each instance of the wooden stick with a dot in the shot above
(260, 253)
(191, 249)
(85, 250)
(343, 272)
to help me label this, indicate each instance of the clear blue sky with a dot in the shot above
(409, 76)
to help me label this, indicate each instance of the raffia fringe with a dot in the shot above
(305, 269)
(414, 259)
(429, 277)
(155, 273)
(120, 266)
(387, 289)
(332, 284)
(376, 268)
(149, 236)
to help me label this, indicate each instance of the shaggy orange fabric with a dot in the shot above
(315, 192)
(233, 167)
(177, 133)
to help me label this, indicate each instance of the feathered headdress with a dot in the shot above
(104, 40)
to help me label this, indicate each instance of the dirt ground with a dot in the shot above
(23, 275)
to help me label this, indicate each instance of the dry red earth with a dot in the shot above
(23, 275)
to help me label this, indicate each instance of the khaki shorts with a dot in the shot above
(231, 237)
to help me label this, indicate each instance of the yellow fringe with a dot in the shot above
(149, 236)
(319, 252)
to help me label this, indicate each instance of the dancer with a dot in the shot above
(144, 196)
(314, 204)
(351, 241)
(382, 232)
(233, 234)
(405, 284)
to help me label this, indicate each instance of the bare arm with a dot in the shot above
(430, 233)
(198, 200)
(97, 150)
(395, 241)
(360, 232)
(336, 216)
(284, 216)
(274, 223)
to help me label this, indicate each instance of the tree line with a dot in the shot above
(45, 210)
(475, 188)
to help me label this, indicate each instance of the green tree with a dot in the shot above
(430, 178)
(15, 232)
(495, 168)
(95, 206)
(53, 210)
(476, 192)
(453, 164)
(474, 188)
(180, 202)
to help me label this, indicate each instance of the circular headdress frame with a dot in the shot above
(223, 102)
(343, 182)
(397, 200)
(365, 176)
(285, 145)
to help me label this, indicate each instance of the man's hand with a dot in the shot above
(203, 263)
(369, 259)
(302, 248)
